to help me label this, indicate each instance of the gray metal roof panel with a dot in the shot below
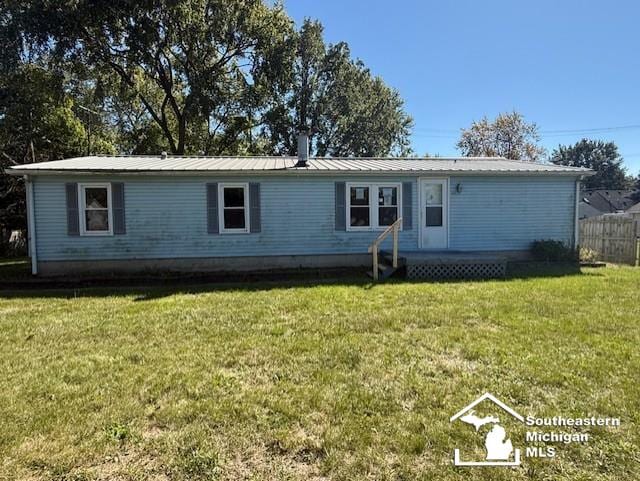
(124, 164)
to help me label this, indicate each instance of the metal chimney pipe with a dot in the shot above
(303, 149)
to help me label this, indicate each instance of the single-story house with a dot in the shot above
(131, 213)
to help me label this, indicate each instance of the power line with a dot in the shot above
(594, 130)
(427, 132)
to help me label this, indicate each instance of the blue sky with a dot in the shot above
(570, 66)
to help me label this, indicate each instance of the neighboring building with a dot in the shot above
(605, 201)
(130, 213)
(587, 210)
(634, 211)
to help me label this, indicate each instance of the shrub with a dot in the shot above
(549, 250)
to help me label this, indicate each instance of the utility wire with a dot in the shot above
(428, 132)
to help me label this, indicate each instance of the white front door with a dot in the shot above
(434, 200)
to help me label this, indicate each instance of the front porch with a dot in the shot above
(434, 263)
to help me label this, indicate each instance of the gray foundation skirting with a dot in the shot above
(202, 265)
(420, 265)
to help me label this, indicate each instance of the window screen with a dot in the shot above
(234, 208)
(96, 209)
(387, 205)
(433, 200)
(360, 212)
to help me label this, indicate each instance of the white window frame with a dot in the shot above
(373, 205)
(82, 208)
(221, 207)
(369, 227)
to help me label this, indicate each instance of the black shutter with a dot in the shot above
(407, 205)
(212, 209)
(73, 217)
(341, 212)
(117, 197)
(254, 211)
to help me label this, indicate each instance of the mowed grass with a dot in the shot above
(331, 381)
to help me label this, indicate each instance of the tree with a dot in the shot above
(194, 66)
(344, 108)
(37, 123)
(509, 136)
(603, 157)
(212, 76)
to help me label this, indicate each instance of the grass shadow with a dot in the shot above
(146, 288)
(533, 270)
(149, 287)
(15, 268)
(526, 270)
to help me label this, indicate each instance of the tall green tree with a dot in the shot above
(195, 66)
(210, 76)
(603, 157)
(344, 108)
(509, 135)
(37, 123)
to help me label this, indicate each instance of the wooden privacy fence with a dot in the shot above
(613, 238)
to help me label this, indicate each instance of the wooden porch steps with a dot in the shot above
(382, 267)
(385, 266)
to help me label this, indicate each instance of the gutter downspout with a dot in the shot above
(576, 219)
(31, 225)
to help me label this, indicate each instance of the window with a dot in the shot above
(234, 208)
(360, 210)
(433, 199)
(387, 205)
(372, 206)
(95, 209)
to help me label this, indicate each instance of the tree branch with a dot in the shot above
(161, 122)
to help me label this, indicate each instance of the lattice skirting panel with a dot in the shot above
(457, 271)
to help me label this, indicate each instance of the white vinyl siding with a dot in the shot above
(166, 217)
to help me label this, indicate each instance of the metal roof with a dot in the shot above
(131, 164)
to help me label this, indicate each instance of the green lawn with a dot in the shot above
(302, 381)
